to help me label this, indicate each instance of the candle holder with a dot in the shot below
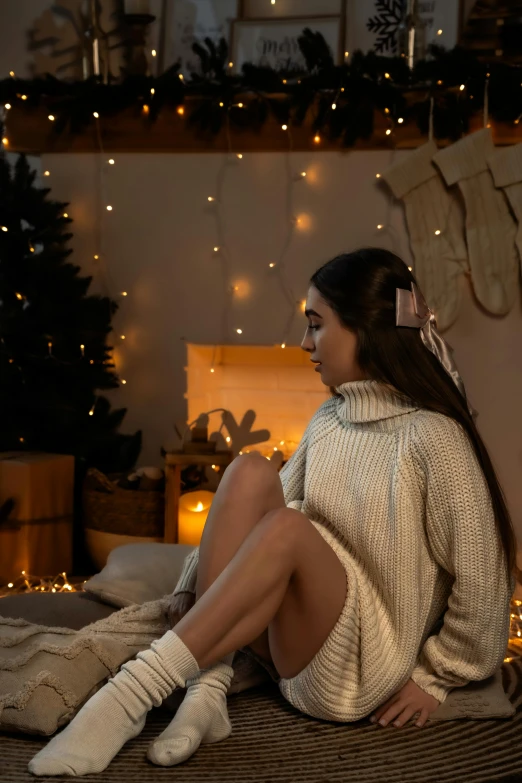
(411, 35)
(136, 29)
(95, 45)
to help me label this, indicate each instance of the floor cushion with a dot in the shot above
(136, 573)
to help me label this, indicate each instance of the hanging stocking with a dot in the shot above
(490, 227)
(440, 258)
(506, 167)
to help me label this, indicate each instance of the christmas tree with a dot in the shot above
(53, 351)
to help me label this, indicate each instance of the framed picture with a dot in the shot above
(186, 21)
(273, 42)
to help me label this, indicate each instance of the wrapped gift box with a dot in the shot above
(38, 534)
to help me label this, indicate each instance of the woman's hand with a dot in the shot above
(180, 604)
(402, 705)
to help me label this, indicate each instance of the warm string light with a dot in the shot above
(100, 257)
(28, 583)
(385, 227)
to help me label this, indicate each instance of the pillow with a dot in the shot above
(48, 673)
(136, 573)
(483, 699)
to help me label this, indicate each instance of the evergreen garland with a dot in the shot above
(368, 83)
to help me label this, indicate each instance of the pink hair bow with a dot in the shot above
(413, 311)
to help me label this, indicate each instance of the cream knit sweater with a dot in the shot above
(398, 492)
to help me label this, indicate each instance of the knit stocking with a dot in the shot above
(440, 258)
(490, 227)
(506, 166)
(117, 712)
(202, 717)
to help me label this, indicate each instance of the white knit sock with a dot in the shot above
(202, 717)
(117, 712)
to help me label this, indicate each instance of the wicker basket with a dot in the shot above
(128, 512)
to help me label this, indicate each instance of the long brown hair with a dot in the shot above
(360, 287)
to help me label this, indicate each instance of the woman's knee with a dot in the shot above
(246, 460)
(253, 473)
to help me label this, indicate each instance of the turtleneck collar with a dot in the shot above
(371, 400)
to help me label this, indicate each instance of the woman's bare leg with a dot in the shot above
(284, 577)
(250, 488)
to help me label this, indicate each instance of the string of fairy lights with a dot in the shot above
(276, 267)
(28, 583)
(104, 207)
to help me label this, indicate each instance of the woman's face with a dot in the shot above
(328, 341)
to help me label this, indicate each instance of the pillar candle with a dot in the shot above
(192, 515)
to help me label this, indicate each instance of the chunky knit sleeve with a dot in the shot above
(292, 474)
(189, 573)
(463, 537)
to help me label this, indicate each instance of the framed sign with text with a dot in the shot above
(274, 42)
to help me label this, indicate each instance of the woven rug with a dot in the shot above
(272, 741)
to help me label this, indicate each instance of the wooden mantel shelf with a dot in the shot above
(30, 131)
